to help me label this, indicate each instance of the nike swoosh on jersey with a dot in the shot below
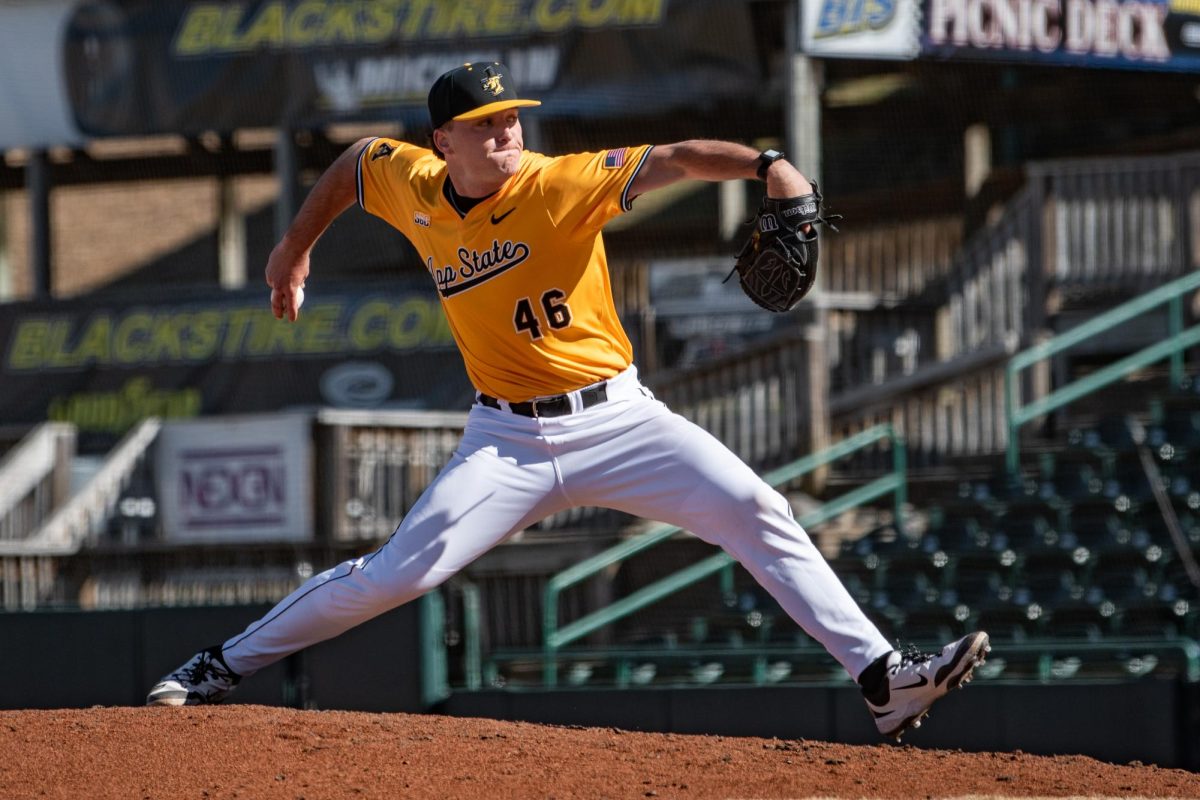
(497, 220)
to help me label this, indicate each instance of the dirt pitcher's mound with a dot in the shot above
(257, 752)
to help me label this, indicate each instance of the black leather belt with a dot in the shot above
(557, 406)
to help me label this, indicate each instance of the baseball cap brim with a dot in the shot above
(492, 108)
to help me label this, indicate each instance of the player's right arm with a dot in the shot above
(287, 267)
(708, 160)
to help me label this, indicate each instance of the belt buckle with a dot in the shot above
(552, 406)
(595, 395)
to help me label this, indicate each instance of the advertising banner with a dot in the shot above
(104, 364)
(874, 29)
(134, 67)
(236, 479)
(1121, 34)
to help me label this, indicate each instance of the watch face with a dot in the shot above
(765, 159)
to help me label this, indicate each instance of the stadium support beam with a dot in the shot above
(802, 104)
(731, 208)
(6, 276)
(287, 168)
(231, 223)
(37, 186)
(231, 236)
(977, 157)
(802, 121)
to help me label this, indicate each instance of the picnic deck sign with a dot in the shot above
(1118, 34)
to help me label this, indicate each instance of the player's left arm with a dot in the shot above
(709, 160)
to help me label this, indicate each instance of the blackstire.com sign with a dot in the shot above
(106, 365)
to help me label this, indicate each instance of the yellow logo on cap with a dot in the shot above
(491, 84)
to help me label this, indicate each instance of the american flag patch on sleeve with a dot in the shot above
(615, 159)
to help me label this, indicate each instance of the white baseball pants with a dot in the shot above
(630, 453)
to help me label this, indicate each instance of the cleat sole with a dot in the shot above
(976, 659)
(909, 724)
(167, 698)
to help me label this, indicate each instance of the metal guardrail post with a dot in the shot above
(549, 650)
(1012, 457)
(435, 683)
(1191, 650)
(472, 655)
(1184, 179)
(727, 586)
(900, 467)
(1175, 327)
(760, 670)
(1034, 210)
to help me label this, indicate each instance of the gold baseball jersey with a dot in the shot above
(523, 277)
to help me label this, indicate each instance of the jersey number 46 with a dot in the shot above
(555, 312)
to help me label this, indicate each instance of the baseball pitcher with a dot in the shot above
(512, 241)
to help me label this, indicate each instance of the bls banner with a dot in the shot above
(131, 67)
(104, 365)
(236, 479)
(883, 29)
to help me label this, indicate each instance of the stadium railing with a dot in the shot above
(35, 478)
(1018, 413)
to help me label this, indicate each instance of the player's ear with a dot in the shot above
(442, 139)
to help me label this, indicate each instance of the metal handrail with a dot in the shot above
(34, 461)
(1045, 649)
(554, 638)
(1017, 414)
(65, 532)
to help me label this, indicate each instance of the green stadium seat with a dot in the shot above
(1110, 433)
(1179, 427)
(935, 623)
(1091, 621)
(977, 588)
(1014, 621)
(786, 633)
(1071, 480)
(1157, 619)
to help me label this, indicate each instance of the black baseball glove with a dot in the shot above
(778, 264)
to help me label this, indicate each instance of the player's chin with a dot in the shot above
(507, 161)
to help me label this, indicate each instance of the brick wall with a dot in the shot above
(102, 232)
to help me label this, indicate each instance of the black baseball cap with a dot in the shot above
(473, 91)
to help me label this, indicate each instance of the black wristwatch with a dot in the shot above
(765, 159)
